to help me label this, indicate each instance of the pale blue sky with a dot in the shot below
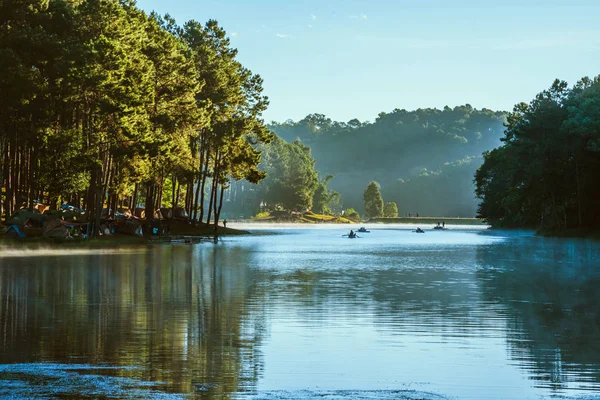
(355, 58)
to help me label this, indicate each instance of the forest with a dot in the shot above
(545, 175)
(104, 107)
(424, 160)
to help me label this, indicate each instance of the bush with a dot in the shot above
(352, 215)
(390, 210)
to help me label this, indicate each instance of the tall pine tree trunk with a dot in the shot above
(210, 203)
(213, 185)
(149, 209)
(218, 213)
(202, 176)
(6, 178)
(177, 195)
(188, 208)
(134, 198)
(174, 197)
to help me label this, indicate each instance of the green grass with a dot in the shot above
(330, 219)
(306, 218)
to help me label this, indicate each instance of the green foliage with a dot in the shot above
(291, 177)
(323, 198)
(399, 145)
(351, 214)
(373, 200)
(98, 98)
(233, 98)
(62, 150)
(390, 210)
(546, 173)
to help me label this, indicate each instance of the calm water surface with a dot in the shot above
(306, 313)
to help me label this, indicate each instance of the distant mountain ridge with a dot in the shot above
(424, 159)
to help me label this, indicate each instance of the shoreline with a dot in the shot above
(276, 226)
(582, 233)
(427, 220)
(578, 233)
(202, 231)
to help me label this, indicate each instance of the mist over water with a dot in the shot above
(306, 312)
(21, 250)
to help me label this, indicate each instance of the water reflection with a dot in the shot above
(173, 312)
(466, 314)
(549, 288)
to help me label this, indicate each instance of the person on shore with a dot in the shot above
(224, 223)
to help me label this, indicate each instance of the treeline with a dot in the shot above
(546, 173)
(292, 183)
(374, 204)
(396, 148)
(102, 105)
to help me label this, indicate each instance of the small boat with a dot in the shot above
(419, 230)
(440, 228)
(362, 229)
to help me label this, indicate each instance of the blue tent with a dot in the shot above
(14, 231)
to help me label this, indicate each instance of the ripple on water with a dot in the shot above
(307, 314)
(50, 380)
(342, 394)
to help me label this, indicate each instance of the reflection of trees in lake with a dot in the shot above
(195, 317)
(550, 292)
(541, 293)
(170, 311)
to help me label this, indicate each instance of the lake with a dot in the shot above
(303, 312)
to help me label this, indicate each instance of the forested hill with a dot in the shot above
(424, 159)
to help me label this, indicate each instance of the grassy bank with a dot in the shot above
(306, 218)
(428, 220)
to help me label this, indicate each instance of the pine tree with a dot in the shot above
(373, 200)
